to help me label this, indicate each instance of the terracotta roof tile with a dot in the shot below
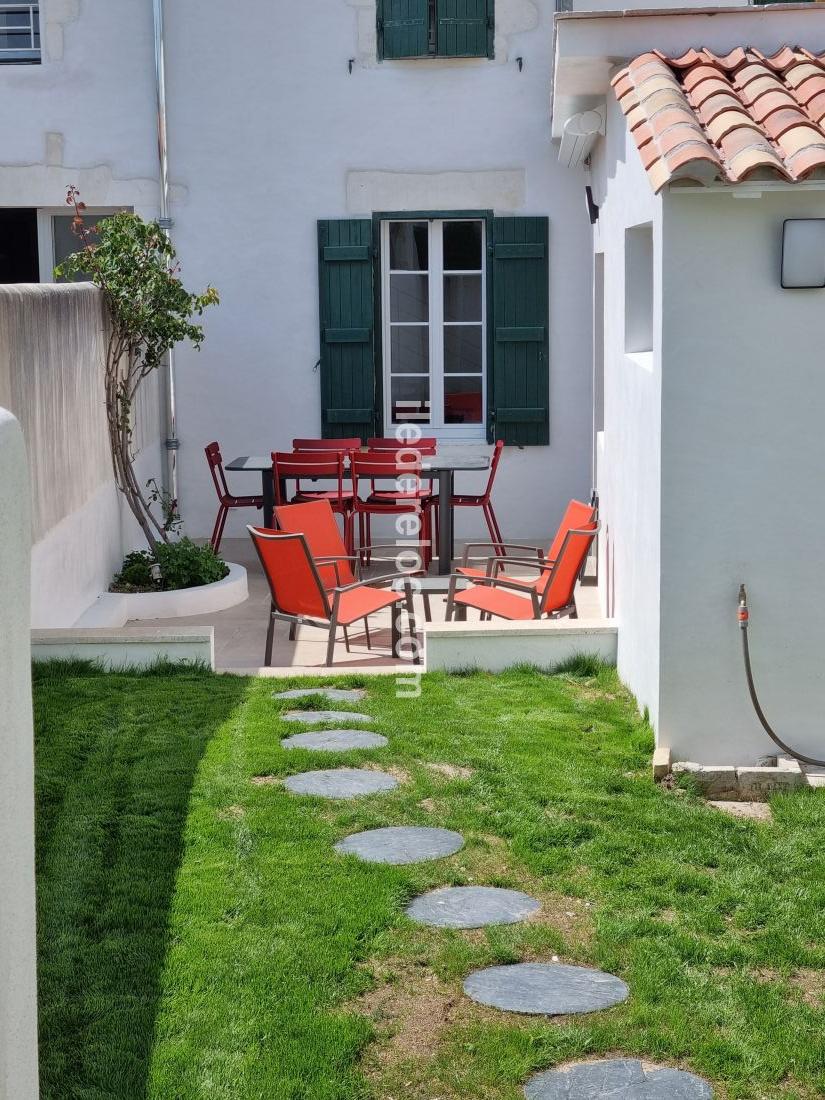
(706, 116)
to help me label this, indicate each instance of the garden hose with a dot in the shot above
(744, 618)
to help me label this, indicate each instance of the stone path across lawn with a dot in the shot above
(335, 740)
(618, 1078)
(545, 989)
(340, 783)
(334, 695)
(472, 907)
(313, 717)
(401, 844)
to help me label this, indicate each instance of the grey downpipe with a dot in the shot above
(171, 443)
(744, 620)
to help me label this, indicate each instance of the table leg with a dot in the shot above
(446, 480)
(268, 491)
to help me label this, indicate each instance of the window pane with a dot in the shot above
(15, 40)
(409, 246)
(410, 400)
(462, 297)
(462, 350)
(410, 349)
(462, 246)
(409, 297)
(462, 401)
(14, 19)
(66, 241)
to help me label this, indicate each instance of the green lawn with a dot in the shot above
(199, 938)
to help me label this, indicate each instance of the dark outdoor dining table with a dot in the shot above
(440, 467)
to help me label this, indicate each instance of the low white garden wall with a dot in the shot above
(51, 377)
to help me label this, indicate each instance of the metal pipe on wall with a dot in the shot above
(171, 443)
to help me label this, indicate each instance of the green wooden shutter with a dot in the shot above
(346, 311)
(403, 28)
(519, 382)
(465, 28)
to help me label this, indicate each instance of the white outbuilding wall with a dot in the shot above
(18, 981)
(629, 453)
(743, 454)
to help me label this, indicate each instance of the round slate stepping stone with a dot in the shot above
(618, 1078)
(335, 695)
(313, 717)
(340, 783)
(401, 844)
(545, 989)
(471, 907)
(334, 740)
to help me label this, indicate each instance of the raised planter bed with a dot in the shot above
(119, 608)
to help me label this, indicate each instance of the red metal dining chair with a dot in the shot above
(328, 464)
(350, 444)
(298, 594)
(577, 515)
(506, 600)
(483, 500)
(407, 496)
(425, 445)
(226, 500)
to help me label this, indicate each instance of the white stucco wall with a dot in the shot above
(18, 981)
(267, 133)
(629, 461)
(52, 344)
(742, 459)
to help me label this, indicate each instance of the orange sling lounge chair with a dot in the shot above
(299, 596)
(316, 521)
(508, 599)
(577, 516)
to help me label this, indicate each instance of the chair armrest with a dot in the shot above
(370, 583)
(537, 550)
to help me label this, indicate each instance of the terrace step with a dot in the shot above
(471, 907)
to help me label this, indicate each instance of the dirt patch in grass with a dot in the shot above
(265, 780)
(430, 805)
(401, 774)
(231, 813)
(811, 984)
(451, 771)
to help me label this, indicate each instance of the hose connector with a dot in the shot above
(743, 614)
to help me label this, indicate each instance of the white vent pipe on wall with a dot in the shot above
(580, 135)
(172, 443)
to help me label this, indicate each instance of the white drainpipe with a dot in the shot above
(172, 442)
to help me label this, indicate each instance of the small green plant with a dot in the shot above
(169, 566)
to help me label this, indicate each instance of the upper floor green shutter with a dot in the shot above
(347, 328)
(465, 28)
(519, 382)
(403, 28)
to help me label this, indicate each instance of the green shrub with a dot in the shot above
(180, 564)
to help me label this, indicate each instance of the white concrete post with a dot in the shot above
(18, 966)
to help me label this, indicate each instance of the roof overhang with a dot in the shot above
(590, 46)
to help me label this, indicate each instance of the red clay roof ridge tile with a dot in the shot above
(725, 117)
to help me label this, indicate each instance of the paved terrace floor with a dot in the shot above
(240, 632)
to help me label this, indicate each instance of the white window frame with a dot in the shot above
(32, 55)
(436, 323)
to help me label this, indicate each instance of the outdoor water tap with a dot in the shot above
(743, 613)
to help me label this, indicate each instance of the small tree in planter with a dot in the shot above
(134, 264)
